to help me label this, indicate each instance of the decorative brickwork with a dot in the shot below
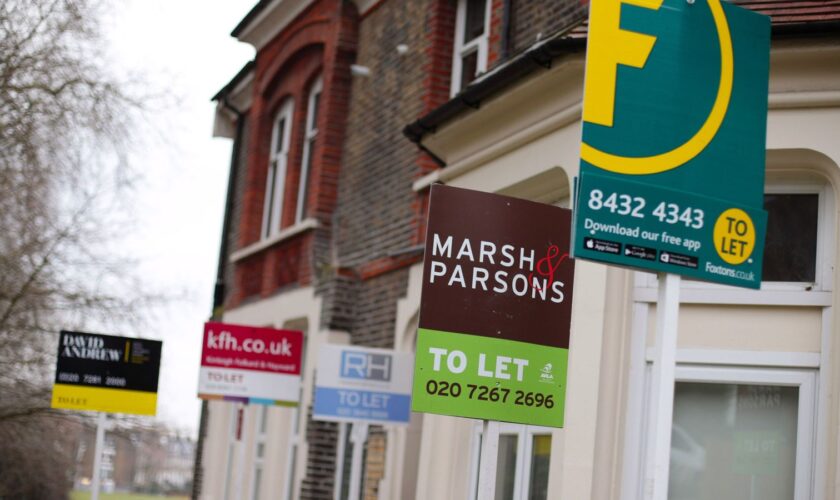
(321, 41)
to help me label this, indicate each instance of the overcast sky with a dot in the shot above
(182, 46)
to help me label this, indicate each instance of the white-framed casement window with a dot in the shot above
(295, 440)
(742, 432)
(259, 450)
(797, 266)
(472, 34)
(522, 467)
(313, 104)
(275, 182)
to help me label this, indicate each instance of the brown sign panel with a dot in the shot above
(497, 267)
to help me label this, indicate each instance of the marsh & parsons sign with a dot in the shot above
(250, 365)
(106, 373)
(359, 384)
(495, 311)
(674, 132)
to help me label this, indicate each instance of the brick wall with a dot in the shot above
(532, 20)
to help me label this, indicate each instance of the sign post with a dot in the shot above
(107, 374)
(495, 315)
(489, 458)
(101, 421)
(672, 161)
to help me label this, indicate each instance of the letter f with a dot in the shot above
(609, 46)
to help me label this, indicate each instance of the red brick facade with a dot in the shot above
(320, 41)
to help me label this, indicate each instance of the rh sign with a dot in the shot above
(359, 384)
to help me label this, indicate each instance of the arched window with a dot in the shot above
(312, 105)
(277, 165)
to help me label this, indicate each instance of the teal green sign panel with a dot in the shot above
(674, 132)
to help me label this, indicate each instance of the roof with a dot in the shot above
(250, 16)
(788, 18)
(249, 66)
(785, 12)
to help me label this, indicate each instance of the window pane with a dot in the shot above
(790, 253)
(269, 197)
(278, 139)
(540, 456)
(257, 482)
(316, 103)
(263, 418)
(506, 467)
(469, 67)
(733, 441)
(260, 450)
(474, 25)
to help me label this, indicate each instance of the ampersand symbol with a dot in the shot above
(547, 266)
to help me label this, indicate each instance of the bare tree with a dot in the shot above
(65, 124)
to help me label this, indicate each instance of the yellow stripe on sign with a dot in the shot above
(106, 399)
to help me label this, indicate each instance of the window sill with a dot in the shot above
(283, 235)
(737, 296)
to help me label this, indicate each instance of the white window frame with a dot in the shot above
(233, 414)
(310, 133)
(817, 293)
(295, 440)
(524, 447)
(479, 44)
(260, 439)
(804, 379)
(275, 182)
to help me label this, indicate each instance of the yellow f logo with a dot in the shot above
(610, 46)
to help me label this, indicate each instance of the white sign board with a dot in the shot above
(359, 384)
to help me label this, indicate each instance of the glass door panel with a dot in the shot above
(733, 441)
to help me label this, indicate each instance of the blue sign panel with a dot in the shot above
(356, 384)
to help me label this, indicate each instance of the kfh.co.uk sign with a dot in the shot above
(251, 365)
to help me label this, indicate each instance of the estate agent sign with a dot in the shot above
(106, 373)
(357, 384)
(672, 159)
(250, 365)
(495, 311)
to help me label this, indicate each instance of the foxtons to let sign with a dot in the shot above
(673, 146)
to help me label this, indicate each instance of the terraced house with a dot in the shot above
(352, 109)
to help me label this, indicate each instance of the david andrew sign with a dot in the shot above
(496, 308)
(250, 365)
(106, 373)
(358, 384)
(672, 157)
